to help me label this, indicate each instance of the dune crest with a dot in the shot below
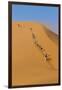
(53, 36)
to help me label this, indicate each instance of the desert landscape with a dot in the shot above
(34, 54)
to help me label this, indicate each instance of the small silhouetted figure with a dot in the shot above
(47, 57)
(33, 36)
(31, 29)
(39, 46)
(18, 25)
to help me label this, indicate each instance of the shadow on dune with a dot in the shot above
(53, 36)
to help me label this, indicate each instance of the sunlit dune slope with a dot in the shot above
(29, 65)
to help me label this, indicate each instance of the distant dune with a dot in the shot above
(34, 54)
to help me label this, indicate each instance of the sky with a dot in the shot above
(44, 14)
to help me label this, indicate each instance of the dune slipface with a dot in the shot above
(34, 54)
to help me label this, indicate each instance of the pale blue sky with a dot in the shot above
(44, 14)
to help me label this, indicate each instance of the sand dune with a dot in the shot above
(31, 42)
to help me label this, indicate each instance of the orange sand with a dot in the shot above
(29, 67)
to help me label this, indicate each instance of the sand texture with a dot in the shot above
(34, 54)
